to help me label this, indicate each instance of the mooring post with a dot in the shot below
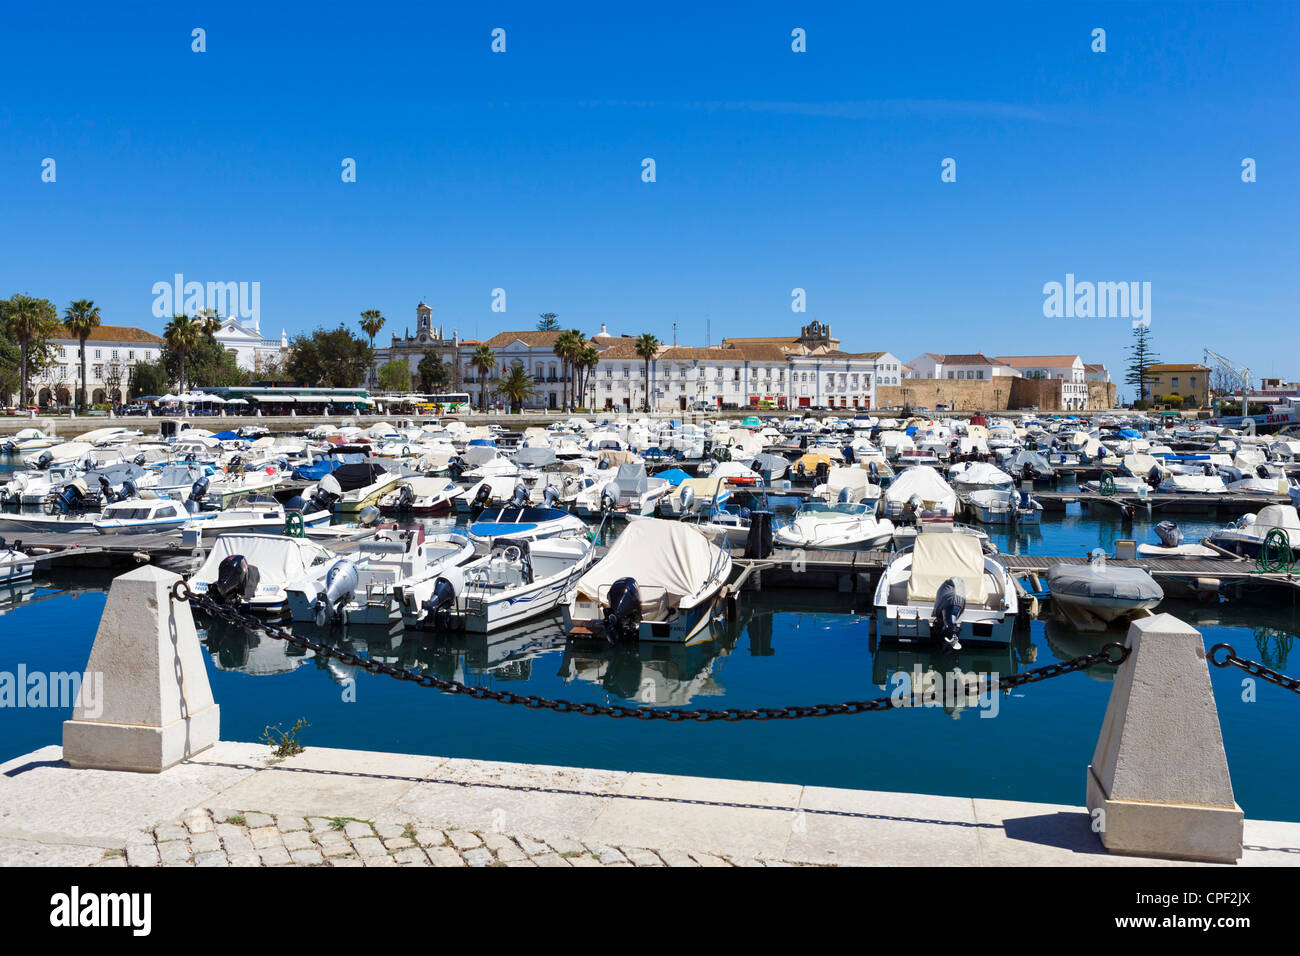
(1158, 784)
(145, 702)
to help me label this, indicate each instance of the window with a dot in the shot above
(1173, 382)
(950, 374)
(97, 353)
(131, 354)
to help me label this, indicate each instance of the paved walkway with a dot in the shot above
(234, 805)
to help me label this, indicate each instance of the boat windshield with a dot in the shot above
(856, 509)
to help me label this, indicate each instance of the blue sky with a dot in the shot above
(775, 170)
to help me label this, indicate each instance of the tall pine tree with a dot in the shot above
(1141, 358)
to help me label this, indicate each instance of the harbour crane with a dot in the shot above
(1232, 370)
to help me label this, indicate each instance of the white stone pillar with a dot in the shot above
(1159, 776)
(152, 705)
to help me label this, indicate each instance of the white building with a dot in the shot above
(411, 349)
(111, 354)
(533, 351)
(250, 348)
(977, 366)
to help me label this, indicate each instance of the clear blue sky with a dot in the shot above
(775, 170)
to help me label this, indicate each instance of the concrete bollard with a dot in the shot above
(1160, 774)
(156, 707)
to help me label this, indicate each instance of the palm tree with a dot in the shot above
(567, 346)
(80, 319)
(646, 347)
(29, 321)
(208, 321)
(182, 338)
(586, 361)
(372, 320)
(483, 360)
(517, 386)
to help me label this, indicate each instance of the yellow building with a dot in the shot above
(1191, 382)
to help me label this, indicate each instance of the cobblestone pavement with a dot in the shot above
(251, 838)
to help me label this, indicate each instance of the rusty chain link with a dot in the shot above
(1113, 653)
(1253, 667)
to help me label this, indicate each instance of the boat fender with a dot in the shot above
(949, 605)
(623, 618)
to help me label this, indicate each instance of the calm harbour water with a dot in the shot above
(789, 647)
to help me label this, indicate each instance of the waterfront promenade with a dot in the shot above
(236, 805)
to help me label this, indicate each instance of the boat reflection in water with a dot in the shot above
(652, 672)
(17, 593)
(1066, 642)
(956, 680)
(480, 659)
(233, 648)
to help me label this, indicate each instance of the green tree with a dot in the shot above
(1141, 358)
(372, 320)
(180, 338)
(585, 362)
(483, 360)
(395, 376)
(432, 372)
(150, 379)
(548, 322)
(646, 347)
(206, 363)
(31, 323)
(517, 386)
(81, 318)
(567, 346)
(334, 358)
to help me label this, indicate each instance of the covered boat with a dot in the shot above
(1105, 591)
(945, 590)
(919, 489)
(660, 581)
(251, 570)
(1246, 535)
(978, 476)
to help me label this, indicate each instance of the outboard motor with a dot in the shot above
(44, 460)
(441, 602)
(66, 498)
(236, 581)
(139, 460)
(405, 498)
(128, 490)
(916, 504)
(822, 472)
(550, 496)
(847, 451)
(480, 499)
(608, 500)
(949, 605)
(340, 584)
(687, 498)
(1153, 477)
(758, 543)
(368, 516)
(873, 469)
(1170, 535)
(198, 492)
(845, 496)
(106, 491)
(623, 619)
(519, 497)
(236, 466)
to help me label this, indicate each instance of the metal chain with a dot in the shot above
(1253, 667)
(1113, 653)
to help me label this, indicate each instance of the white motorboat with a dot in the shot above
(660, 581)
(148, 514)
(1105, 591)
(1193, 485)
(971, 476)
(1246, 535)
(843, 525)
(256, 514)
(917, 489)
(355, 487)
(40, 523)
(15, 565)
(525, 522)
(945, 590)
(998, 506)
(849, 484)
(517, 580)
(422, 496)
(251, 570)
(361, 588)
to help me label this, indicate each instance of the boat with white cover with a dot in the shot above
(916, 489)
(660, 581)
(251, 570)
(945, 590)
(1247, 534)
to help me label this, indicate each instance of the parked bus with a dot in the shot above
(442, 403)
